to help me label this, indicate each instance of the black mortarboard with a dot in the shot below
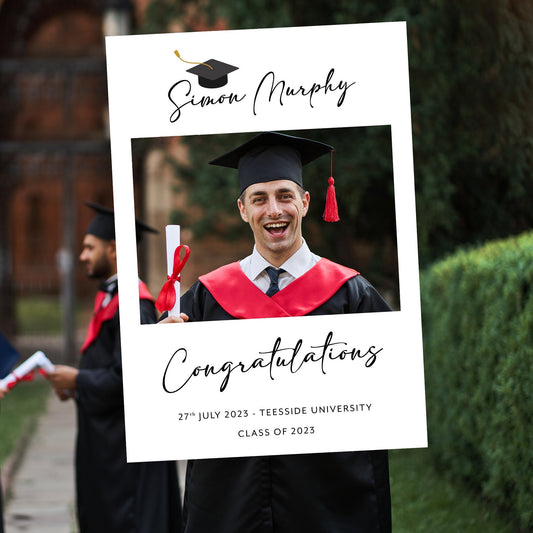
(272, 156)
(212, 74)
(103, 224)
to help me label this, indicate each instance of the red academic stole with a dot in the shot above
(238, 296)
(102, 314)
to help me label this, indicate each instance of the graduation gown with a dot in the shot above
(112, 495)
(310, 493)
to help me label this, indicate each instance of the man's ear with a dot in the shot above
(242, 211)
(306, 199)
(112, 250)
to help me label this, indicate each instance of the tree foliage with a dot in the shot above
(471, 73)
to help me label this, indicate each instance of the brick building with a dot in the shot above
(55, 152)
(53, 147)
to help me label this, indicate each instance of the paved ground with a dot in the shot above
(42, 490)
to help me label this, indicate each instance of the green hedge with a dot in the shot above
(477, 309)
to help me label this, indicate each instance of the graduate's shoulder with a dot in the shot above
(221, 273)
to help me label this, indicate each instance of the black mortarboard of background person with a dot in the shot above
(103, 224)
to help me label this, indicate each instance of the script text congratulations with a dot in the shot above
(273, 361)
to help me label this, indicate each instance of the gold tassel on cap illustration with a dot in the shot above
(191, 62)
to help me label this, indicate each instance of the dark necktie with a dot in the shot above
(273, 274)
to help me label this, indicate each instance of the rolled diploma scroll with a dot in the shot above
(38, 359)
(173, 241)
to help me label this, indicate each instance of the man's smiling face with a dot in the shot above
(274, 211)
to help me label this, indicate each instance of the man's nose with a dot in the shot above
(273, 207)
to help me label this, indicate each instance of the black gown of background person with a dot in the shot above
(112, 495)
(310, 493)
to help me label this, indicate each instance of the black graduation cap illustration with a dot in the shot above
(103, 224)
(212, 74)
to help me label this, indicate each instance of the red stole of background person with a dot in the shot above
(102, 314)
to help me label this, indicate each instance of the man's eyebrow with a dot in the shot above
(258, 193)
(277, 191)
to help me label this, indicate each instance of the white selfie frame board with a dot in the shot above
(287, 79)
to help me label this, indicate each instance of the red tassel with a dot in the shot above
(331, 212)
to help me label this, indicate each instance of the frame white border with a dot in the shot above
(141, 70)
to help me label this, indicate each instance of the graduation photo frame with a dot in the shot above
(269, 385)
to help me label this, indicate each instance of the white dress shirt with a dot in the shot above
(298, 264)
(109, 287)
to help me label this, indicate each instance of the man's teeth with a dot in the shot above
(276, 225)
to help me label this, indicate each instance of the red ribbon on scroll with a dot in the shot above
(26, 377)
(167, 297)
